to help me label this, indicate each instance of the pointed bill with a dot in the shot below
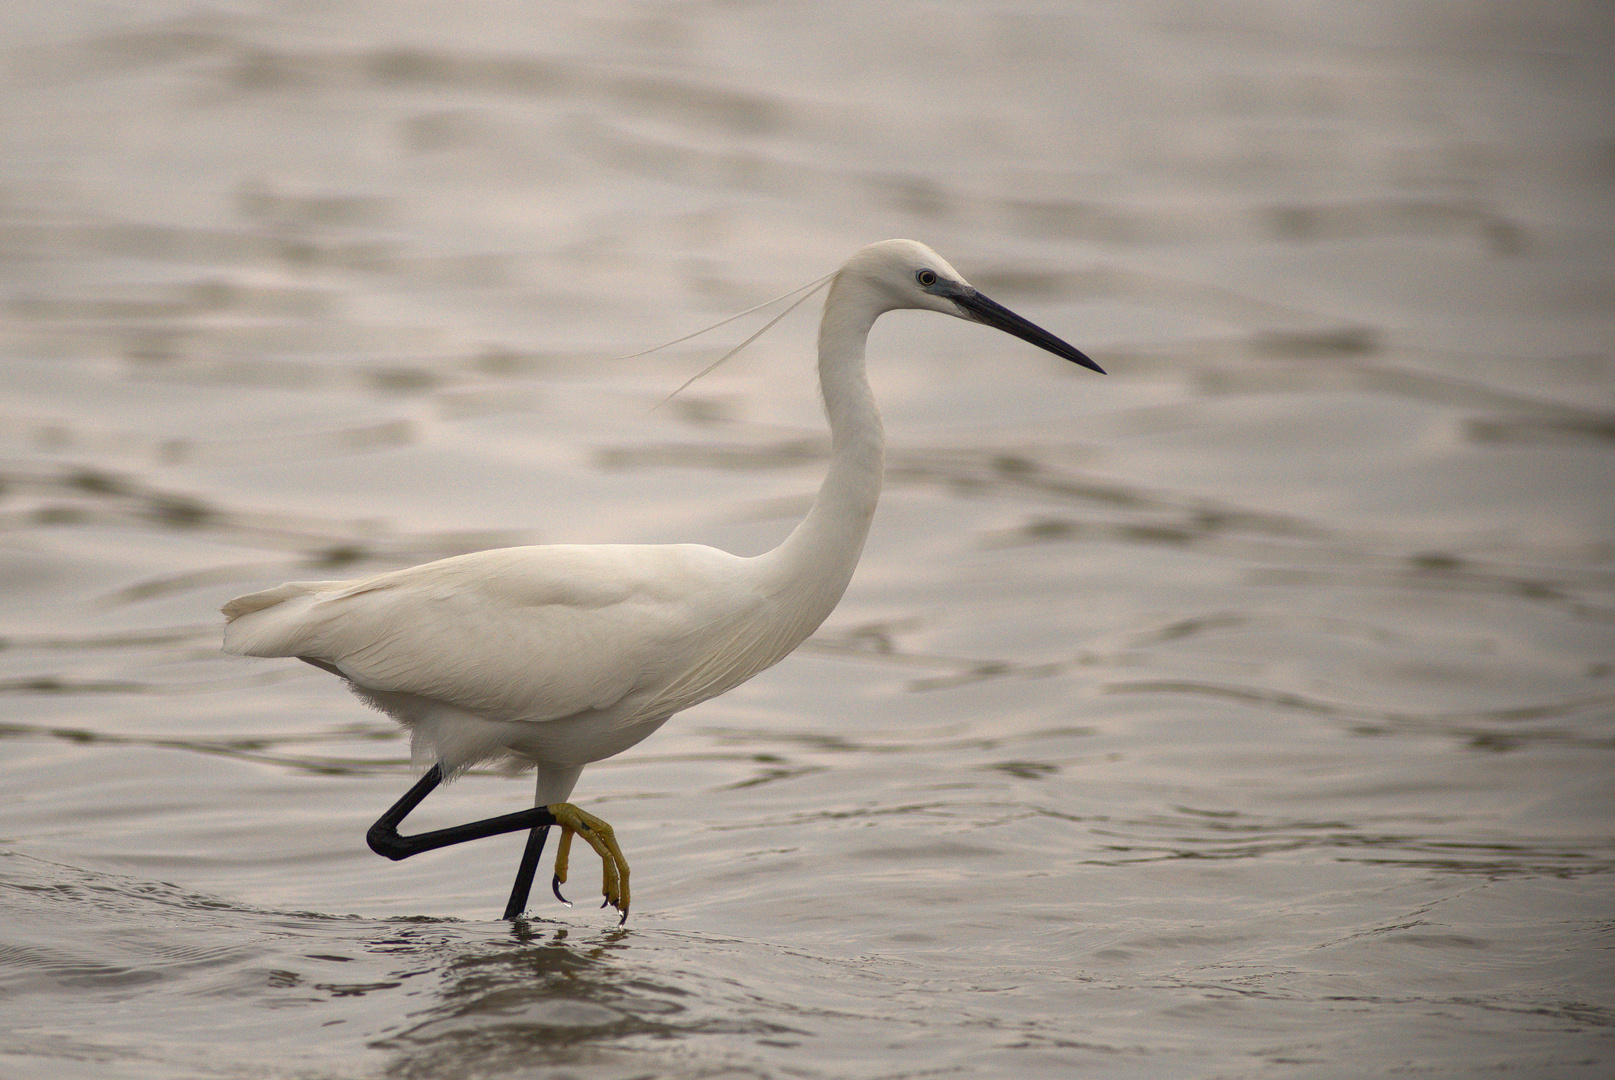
(991, 313)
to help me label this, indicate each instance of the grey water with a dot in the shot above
(1246, 712)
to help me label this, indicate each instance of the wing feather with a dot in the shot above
(513, 634)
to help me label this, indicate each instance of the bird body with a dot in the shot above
(545, 657)
(552, 657)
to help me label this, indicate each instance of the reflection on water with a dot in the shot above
(1247, 710)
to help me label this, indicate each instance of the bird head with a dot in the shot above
(907, 274)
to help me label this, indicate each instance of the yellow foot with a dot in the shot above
(614, 868)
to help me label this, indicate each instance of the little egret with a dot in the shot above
(554, 656)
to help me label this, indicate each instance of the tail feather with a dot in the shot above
(274, 622)
(246, 605)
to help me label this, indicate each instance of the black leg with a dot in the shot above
(525, 872)
(384, 838)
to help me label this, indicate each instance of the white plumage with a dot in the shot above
(551, 657)
(548, 657)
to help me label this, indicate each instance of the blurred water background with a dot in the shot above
(1245, 712)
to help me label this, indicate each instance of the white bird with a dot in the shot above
(551, 657)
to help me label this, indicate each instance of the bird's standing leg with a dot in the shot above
(525, 871)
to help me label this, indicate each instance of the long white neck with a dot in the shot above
(812, 567)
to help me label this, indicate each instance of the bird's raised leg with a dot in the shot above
(385, 840)
(599, 835)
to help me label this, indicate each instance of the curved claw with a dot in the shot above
(599, 835)
(563, 853)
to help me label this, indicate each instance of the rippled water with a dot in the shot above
(1245, 712)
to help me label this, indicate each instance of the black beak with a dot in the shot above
(991, 313)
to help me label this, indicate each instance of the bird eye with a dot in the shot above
(925, 278)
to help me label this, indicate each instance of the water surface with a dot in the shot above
(1244, 712)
